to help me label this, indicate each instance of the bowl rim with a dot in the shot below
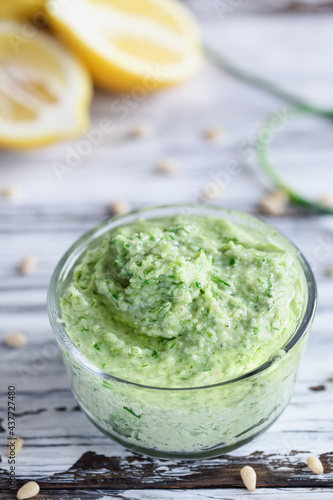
(69, 259)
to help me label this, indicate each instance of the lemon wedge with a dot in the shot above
(44, 91)
(130, 43)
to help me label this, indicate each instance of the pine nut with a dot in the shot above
(120, 207)
(18, 445)
(28, 490)
(249, 477)
(315, 465)
(15, 340)
(141, 131)
(326, 200)
(274, 203)
(330, 271)
(213, 134)
(212, 191)
(11, 192)
(167, 166)
(28, 264)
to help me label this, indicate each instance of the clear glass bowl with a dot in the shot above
(183, 422)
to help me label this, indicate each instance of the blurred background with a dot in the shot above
(173, 145)
(108, 106)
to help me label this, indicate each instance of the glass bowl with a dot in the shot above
(186, 423)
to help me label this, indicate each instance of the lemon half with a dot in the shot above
(129, 43)
(20, 9)
(44, 91)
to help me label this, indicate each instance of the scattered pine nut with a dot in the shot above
(18, 445)
(120, 207)
(330, 271)
(213, 134)
(11, 192)
(212, 191)
(326, 200)
(167, 166)
(28, 264)
(274, 203)
(28, 490)
(249, 477)
(141, 131)
(315, 465)
(15, 340)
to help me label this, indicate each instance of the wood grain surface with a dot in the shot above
(63, 451)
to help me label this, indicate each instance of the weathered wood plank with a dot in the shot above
(139, 472)
(218, 494)
(210, 8)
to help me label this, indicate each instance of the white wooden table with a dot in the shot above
(290, 44)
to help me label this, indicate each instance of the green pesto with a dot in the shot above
(183, 301)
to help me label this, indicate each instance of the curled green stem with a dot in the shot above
(273, 124)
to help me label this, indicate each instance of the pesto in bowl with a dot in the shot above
(183, 301)
(181, 327)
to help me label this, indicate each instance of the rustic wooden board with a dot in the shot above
(225, 494)
(136, 471)
(209, 7)
(63, 451)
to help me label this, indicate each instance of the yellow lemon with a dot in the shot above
(130, 43)
(20, 8)
(44, 91)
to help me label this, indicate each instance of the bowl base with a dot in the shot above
(211, 453)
